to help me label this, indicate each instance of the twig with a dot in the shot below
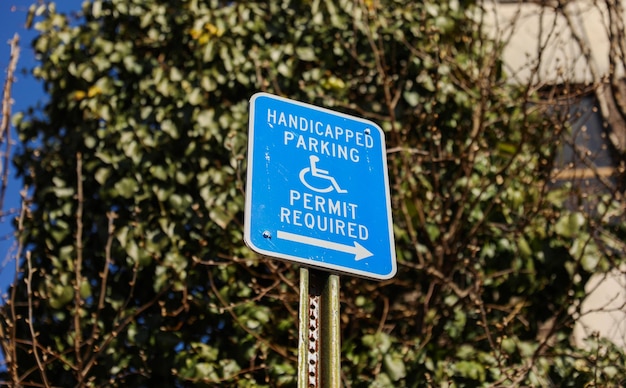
(8, 312)
(8, 344)
(78, 339)
(5, 133)
(111, 216)
(33, 334)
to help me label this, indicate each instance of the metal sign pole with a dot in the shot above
(319, 340)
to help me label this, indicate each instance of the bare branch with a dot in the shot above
(5, 132)
(78, 337)
(31, 317)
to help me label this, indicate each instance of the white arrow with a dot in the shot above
(357, 249)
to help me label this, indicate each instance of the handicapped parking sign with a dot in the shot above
(317, 190)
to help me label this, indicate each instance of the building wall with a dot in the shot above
(552, 45)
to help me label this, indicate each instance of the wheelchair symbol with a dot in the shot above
(320, 174)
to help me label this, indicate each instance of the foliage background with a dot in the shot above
(134, 272)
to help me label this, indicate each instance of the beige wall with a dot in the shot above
(603, 311)
(547, 47)
(564, 39)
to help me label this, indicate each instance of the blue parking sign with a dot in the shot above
(317, 189)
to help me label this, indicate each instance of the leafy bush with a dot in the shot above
(135, 273)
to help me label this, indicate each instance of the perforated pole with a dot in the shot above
(319, 342)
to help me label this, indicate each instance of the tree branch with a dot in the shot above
(5, 132)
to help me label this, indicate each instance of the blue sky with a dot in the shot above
(26, 92)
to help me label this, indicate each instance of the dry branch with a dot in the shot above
(5, 132)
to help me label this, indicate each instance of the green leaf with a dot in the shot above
(394, 366)
(60, 296)
(570, 224)
(220, 217)
(412, 98)
(85, 289)
(205, 118)
(169, 127)
(471, 370)
(176, 75)
(195, 97)
(306, 53)
(205, 370)
(379, 343)
(126, 187)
